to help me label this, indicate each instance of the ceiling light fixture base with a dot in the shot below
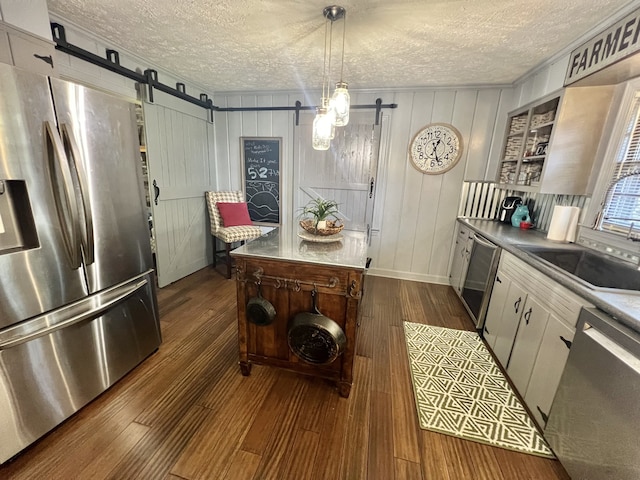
(333, 12)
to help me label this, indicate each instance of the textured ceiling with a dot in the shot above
(257, 45)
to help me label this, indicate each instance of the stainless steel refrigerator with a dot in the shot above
(78, 305)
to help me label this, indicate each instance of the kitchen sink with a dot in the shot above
(597, 270)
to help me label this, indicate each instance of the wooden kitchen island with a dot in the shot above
(288, 272)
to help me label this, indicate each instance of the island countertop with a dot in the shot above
(287, 245)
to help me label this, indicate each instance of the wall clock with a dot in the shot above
(436, 148)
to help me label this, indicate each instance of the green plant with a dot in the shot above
(320, 209)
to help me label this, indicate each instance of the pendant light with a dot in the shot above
(333, 111)
(341, 99)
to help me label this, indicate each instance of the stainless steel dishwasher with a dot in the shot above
(594, 421)
(478, 283)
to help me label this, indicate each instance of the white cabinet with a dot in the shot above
(31, 16)
(25, 36)
(527, 342)
(26, 51)
(545, 378)
(503, 316)
(550, 145)
(460, 260)
(530, 323)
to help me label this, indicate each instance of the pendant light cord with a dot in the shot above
(344, 31)
(324, 65)
(329, 69)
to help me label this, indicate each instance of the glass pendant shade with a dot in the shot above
(340, 102)
(322, 127)
(331, 114)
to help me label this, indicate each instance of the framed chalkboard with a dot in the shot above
(261, 158)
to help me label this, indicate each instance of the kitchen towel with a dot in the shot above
(564, 224)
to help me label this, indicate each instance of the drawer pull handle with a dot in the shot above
(568, 343)
(45, 58)
(516, 305)
(498, 280)
(544, 416)
(527, 316)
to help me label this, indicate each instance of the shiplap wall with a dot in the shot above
(414, 213)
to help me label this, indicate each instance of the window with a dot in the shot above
(621, 210)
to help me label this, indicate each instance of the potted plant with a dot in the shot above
(316, 217)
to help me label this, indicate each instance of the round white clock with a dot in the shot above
(436, 148)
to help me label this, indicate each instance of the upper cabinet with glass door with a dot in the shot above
(550, 145)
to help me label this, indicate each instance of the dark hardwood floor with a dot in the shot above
(188, 413)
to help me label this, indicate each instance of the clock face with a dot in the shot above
(436, 148)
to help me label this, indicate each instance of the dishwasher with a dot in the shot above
(478, 282)
(594, 421)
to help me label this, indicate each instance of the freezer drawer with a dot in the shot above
(53, 365)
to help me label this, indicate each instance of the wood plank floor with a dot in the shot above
(188, 413)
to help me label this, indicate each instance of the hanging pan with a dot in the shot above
(315, 338)
(259, 310)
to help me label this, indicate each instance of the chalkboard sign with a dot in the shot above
(261, 177)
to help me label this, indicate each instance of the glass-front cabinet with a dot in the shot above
(550, 145)
(528, 138)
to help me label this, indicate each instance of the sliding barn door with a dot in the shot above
(179, 148)
(345, 173)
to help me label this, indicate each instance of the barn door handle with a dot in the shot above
(156, 191)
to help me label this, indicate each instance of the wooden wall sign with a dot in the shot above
(619, 41)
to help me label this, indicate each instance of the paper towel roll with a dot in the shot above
(564, 223)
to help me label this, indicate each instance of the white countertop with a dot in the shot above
(625, 307)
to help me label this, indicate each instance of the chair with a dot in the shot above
(227, 235)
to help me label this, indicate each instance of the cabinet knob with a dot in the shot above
(527, 316)
(498, 280)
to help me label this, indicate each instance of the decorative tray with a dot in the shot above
(310, 237)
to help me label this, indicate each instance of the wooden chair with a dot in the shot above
(227, 235)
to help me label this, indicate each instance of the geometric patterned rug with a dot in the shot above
(460, 391)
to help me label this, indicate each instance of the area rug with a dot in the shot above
(460, 391)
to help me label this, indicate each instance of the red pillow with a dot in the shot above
(234, 214)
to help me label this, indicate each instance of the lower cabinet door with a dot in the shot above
(514, 306)
(493, 322)
(527, 343)
(550, 362)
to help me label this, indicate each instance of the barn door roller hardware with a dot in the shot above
(150, 78)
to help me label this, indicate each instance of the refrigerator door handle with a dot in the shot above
(68, 315)
(66, 201)
(86, 226)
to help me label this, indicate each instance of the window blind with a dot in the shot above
(622, 203)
